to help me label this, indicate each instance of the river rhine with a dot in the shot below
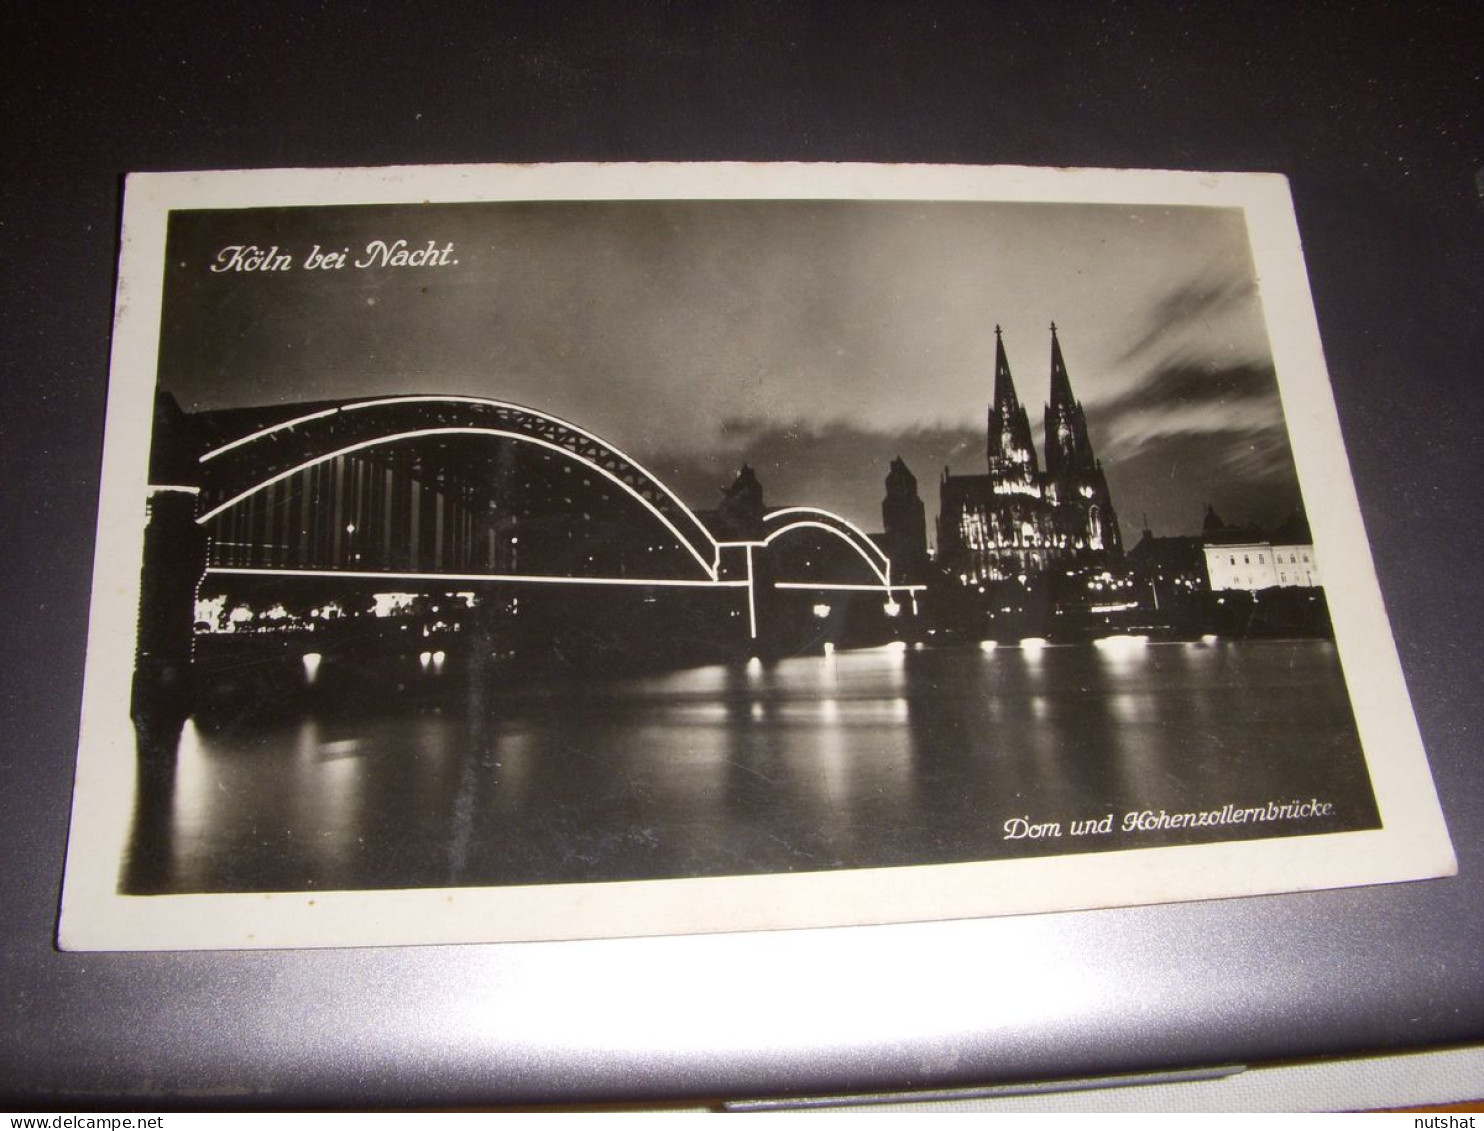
(858, 759)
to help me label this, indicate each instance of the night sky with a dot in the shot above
(814, 340)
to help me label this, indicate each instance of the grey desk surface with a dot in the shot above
(1372, 111)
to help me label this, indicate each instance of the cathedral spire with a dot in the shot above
(1067, 446)
(1010, 451)
(1004, 384)
(1061, 384)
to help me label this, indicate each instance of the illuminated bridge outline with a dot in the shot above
(709, 566)
(560, 436)
(512, 421)
(780, 522)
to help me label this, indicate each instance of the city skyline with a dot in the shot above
(815, 341)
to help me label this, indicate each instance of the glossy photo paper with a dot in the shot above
(505, 553)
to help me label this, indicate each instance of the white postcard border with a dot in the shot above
(1412, 842)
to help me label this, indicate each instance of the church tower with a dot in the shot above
(1075, 484)
(994, 526)
(740, 515)
(1068, 450)
(904, 522)
(1011, 456)
(1017, 522)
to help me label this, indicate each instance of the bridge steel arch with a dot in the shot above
(235, 471)
(780, 522)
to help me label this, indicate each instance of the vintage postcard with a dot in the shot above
(545, 552)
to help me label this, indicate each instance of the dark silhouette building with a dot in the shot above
(740, 515)
(904, 523)
(1170, 573)
(1016, 521)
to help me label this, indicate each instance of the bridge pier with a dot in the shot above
(163, 693)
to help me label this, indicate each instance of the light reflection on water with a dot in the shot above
(855, 759)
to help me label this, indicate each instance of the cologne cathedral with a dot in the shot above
(1018, 522)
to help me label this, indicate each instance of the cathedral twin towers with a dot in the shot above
(1017, 521)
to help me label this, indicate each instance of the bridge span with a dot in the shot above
(389, 520)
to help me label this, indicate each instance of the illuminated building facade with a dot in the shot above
(1017, 521)
(1242, 558)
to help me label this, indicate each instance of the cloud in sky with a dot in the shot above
(1190, 399)
(837, 466)
(815, 339)
(1201, 416)
(1214, 309)
(1246, 475)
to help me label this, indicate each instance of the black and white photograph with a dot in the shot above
(558, 552)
